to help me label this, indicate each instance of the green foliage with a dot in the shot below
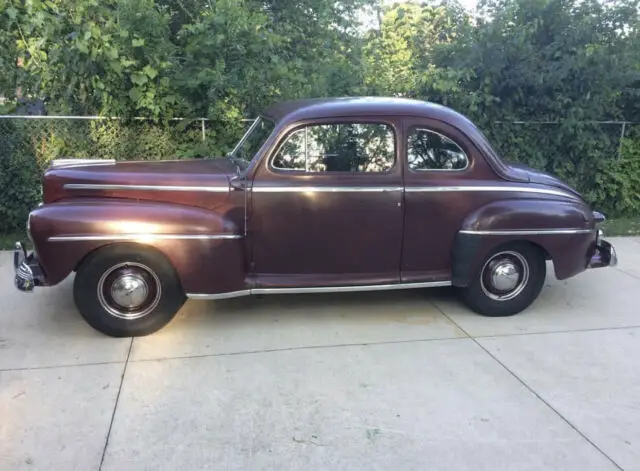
(91, 56)
(569, 62)
(565, 61)
(619, 183)
(399, 57)
(28, 146)
(19, 182)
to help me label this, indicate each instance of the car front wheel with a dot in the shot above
(127, 290)
(508, 281)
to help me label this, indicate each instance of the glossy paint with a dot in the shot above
(339, 227)
(201, 183)
(58, 230)
(312, 230)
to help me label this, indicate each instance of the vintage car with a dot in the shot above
(324, 195)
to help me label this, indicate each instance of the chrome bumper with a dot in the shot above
(605, 254)
(28, 273)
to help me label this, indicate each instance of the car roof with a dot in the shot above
(289, 112)
(298, 110)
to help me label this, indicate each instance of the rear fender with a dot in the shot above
(564, 231)
(205, 247)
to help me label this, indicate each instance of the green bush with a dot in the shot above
(587, 156)
(580, 154)
(28, 146)
(619, 183)
(19, 178)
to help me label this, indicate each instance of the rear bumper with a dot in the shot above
(28, 272)
(605, 255)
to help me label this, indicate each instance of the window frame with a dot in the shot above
(336, 121)
(415, 129)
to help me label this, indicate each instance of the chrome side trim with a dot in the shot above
(100, 186)
(427, 189)
(326, 189)
(80, 162)
(77, 238)
(320, 289)
(514, 189)
(229, 295)
(529, 232)
(349, 289)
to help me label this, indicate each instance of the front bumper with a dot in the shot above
(28, 272)
(605, 254)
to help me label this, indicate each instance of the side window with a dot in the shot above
(349, 147)
(429, 150)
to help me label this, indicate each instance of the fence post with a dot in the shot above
(624, 126)
(204, 135)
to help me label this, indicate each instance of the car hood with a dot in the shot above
(522, 172)
(182, 181)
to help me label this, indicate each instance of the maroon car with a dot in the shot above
(331, 195)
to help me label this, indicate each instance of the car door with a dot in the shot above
(326, 206)
(440, 162)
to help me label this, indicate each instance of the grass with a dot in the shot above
(7, 241)
(622, 227)
(612, 227)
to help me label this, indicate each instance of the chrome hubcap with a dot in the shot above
(504, 276)
(129, 290)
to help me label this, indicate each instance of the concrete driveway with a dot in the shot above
(375, 381)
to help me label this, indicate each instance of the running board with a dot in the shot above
(320, 289)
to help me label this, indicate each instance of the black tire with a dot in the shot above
(101, 280)
(485, 299)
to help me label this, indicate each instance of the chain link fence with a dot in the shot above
(592, 156)
(49, 137)
(44, 138)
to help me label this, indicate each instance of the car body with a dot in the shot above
(322, 195)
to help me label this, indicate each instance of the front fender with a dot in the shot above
(205, 247)
(564, 230)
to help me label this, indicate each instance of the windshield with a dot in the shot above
(251, 142)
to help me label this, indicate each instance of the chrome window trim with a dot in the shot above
(528, 232)
(245, 136)
(100, 186)
(297, 127)
(134, 237)
(515, 189)
(327, 189)
(466, 167)
(320, 289)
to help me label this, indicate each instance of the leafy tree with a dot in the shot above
(400, 55)
(555, 64)
(93, 56)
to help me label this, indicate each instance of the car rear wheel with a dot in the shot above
(127, 290)
(508, 281)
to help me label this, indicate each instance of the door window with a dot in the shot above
(429, 150)
(349, 147)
